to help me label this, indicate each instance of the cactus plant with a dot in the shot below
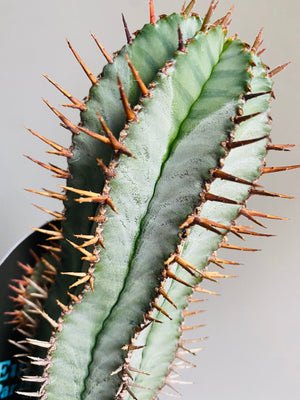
(172, 139)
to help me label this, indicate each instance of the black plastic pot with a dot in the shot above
(10, 368)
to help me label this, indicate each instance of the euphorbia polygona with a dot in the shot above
(172, 140)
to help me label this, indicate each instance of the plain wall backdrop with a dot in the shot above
(253, 327)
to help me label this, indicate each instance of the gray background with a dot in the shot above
(253, 328)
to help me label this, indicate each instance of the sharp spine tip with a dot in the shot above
(278, 69)
(188, 9)
(76, 103)
(60, 150)
(280, 147)
(65, 122)
(152, 13)
(39, 343)
(208, 15)
(89, 74)
(127, 32)
(109, 59)
(181, 45)
(258, 42)
(127, 108)
(268, 170)
(238, 119)
(145, 91)
(269, 194)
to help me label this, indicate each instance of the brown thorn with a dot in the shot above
(109, 59)
(251, 214)
(183, 8)
(208, 224)
(98, 218)
(167, 383)
(270, 194)
(173, 276)
(60, 149)
(160, 309)
(39, 343)
(208, 15)
(250, 96)
(214, 197)
(242, 229)
(189, 8)
(145, 91)
(16, 290)
(70, 106)
(219, 260)
(213, 260)
(150, 319)
(51, 248)
(129, 112)
(38, 361)
(189, 341)
(65, 122)
(117, 146)
(17, 300)
(181, 45)
(80, 281)
(239, 143)
(92, 240)
(191, 328)
(278, 169)
(216, 274)
(200, 290)
(89, 74)
(131, 392)
(54, 234)
(280, 147)
(95, 135)
(92, 197)
(137, 370)
(251, 217)
(228, 177)
(89, 256)
(152, 13)
(27, 268)
(109, 173)
(41, 291)
(58, 216)
(196, 300)
(127, 32)
(238, 119)
(73, 297)
(190, 313)
(60, 172)
(225, 21)
(76, 274)
(278, 69)
(76, 103)
(261, 51)
(183, 263)
(258, 42)
(205, 223)
(51, 321)
(186, 265)
(34, 255)
(164, 294)
(19, 344)
(131, 347)
(185, 350)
